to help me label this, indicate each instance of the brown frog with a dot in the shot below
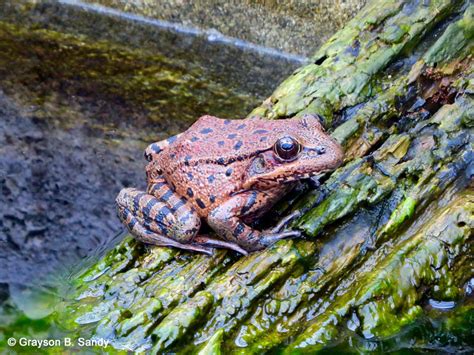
(228, 172)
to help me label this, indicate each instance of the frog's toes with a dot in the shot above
(271, 238)
(198, 248)
(285, 221)
(216, 243)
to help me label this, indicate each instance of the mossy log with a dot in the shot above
(384, 233)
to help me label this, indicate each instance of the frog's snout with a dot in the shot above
(337, 153)
(330, 152)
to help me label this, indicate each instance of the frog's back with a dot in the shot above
(208, 161)
(212, 137)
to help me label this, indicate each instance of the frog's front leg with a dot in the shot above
(228, 220)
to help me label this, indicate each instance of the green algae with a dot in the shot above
(343, 77)
(456, 41)
(386, 301)
(75, 72)
(403, 212)
(306, 294)
(401, 192)
(213, 346)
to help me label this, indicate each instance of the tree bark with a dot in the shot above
(387, 231)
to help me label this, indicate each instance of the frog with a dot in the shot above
(227, 173)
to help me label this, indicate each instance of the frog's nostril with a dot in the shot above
(320, 149)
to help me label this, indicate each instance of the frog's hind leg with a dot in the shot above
(147, 236)
(152, 220)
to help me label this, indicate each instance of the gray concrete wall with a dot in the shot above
(297, 27)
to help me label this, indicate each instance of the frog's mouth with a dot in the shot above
(301, 176)
(278, 180)
(311, 162)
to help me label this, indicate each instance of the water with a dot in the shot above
(80, 98)
(83, 90)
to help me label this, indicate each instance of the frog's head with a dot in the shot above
(296, 149)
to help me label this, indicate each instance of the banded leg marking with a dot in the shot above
(157, 215)
(147, 236)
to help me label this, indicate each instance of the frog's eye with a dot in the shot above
(287, 148)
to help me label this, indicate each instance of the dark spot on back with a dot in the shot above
(190, 192)
(171, 139)
(220, 143)
(242, 126)
(190, 176)
(226, 122)
(228, 172)
(238, 145)
(232, 136)
(194, 139)
(211, 178)
(212, 198)
(172, 155)
(200, 203)
(187, 158)
(220, 161)
(260, 131)
(206, 130)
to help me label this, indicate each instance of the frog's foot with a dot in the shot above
(267, 239)
(314, 182)
(153, 238)
(193, 247)
(215, 243)
(162, 241)
(285, 221)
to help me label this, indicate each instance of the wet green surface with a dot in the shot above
(393, 229)
(388, 235)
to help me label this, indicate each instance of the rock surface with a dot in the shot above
(388, 234)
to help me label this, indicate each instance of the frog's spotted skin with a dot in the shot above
(228, 172)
